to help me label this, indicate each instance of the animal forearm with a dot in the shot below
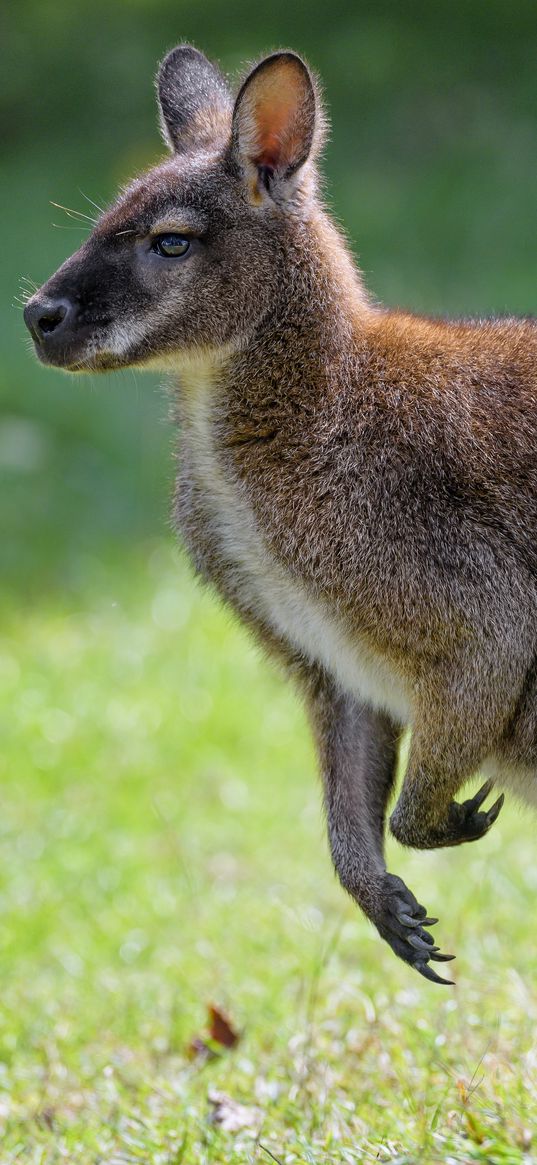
(358, 755)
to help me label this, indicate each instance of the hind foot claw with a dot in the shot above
(402, 924)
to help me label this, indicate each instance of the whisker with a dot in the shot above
(25, 294)
(26, 279)
(131, 232)
(61, 226)
(74, 213)
(91, 202)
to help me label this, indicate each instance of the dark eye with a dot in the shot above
(170, 246)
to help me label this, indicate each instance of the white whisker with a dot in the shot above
(74, 213)
(26, 279)
(91, 202)
(65, 227)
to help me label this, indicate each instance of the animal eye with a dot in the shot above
(170, 246)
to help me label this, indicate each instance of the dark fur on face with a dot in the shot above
(132, 307)
(359, 484)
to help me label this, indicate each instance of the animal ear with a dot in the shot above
(276, 122)
(195, 103)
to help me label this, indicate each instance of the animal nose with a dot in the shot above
(47, 317)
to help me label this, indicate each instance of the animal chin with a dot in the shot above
(103, 361)
(80, 357)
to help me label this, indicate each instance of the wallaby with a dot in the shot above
(359, 484)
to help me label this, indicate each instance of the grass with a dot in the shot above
(161, 836)
(162, 848)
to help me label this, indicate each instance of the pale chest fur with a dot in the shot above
(260, 582)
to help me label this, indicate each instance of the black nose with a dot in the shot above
(47, 317)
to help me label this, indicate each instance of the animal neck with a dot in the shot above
(317, 322)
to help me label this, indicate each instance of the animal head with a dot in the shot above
(191, 255)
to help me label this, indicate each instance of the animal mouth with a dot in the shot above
(78, 353)
(101, 361)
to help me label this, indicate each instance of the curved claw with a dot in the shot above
(428, 973)
(467, 821)
(495, 809)
(407, 919)
(402, 925)
(420, 943)
(481, 795)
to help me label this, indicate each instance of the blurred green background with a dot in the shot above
(431, 167)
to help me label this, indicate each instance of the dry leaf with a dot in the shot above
(220, 1028)
(221, 1033)
(231, 1116)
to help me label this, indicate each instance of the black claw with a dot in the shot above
(467, 822)
(419, 944)
(495, 809)
(407, 920)
(403, 927)
(480, 796)
(428, 973)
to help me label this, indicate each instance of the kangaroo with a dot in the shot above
(359, 484)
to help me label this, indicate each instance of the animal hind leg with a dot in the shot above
(358, 751)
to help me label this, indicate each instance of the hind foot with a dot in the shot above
(401, 923)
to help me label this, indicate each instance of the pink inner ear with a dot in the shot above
(276, 119)
(271, 137)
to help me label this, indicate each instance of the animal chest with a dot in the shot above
(240, 555)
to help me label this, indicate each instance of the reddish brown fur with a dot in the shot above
(360, 484)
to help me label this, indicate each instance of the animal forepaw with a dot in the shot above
(402, 924)
(466, 821)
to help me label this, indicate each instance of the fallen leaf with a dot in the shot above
(221, 1034)
(232, 1116)
(221, 1029)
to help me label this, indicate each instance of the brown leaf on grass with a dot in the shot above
(231, 1116)
(221, 1034)
(221, 1029)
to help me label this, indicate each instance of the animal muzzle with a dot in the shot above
(59, 330)
(49, 320)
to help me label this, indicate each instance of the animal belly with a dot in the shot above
(320, 637)
(262, 585)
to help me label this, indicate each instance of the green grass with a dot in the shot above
(162, 847)
(161, 836)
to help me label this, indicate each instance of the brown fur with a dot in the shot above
(360, 484)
